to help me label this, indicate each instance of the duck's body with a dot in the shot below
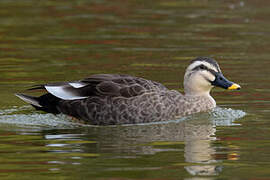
(147, 105)
(122, 99)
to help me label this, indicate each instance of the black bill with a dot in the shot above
(222, 82)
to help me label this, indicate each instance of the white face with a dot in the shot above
(198, 77)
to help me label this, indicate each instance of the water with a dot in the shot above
(50, 41)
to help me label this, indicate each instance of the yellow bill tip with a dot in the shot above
(234, 87)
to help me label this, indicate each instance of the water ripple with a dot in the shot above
(13, 116)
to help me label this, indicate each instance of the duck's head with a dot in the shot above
(203, 74)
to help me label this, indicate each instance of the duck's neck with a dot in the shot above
(193, 103)
(200, 102)
(197, 93)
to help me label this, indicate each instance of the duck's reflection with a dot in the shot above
(198, 149)
(195, 135)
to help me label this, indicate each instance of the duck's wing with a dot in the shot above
(102, 85)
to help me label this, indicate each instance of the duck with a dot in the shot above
(112, 99)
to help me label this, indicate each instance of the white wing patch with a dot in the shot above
(64, 92)
(77, 84)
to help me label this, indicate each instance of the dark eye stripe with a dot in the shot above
(203, 67)
(208, 60)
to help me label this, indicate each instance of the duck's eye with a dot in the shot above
(202, 67)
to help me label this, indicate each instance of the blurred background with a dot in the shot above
(58, 40)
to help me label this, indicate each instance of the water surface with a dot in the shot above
(50, 41)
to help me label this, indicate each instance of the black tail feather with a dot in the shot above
(35, 87)
(46, 102)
